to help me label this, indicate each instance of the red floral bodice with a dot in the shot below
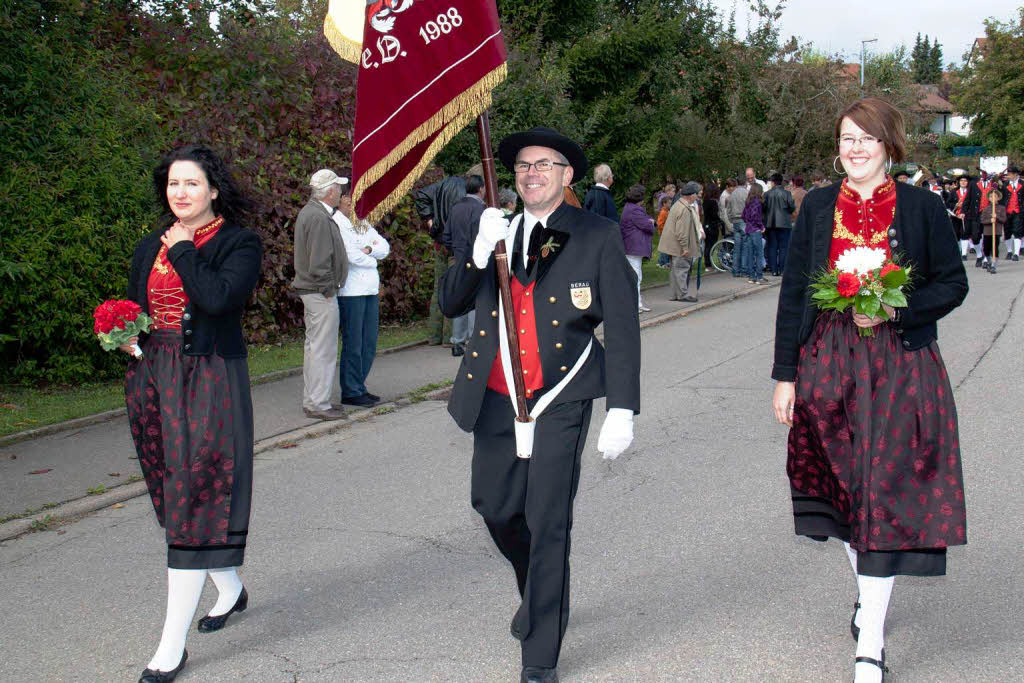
(164, 289)
(863, 222)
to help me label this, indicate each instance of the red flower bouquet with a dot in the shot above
(865, 279)
(116, 321)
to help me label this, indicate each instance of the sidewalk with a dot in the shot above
(64, 466)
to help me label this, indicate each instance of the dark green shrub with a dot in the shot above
(74, 194)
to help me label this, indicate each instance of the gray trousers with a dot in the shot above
(679, 276)
(320, 351)
(462, 327)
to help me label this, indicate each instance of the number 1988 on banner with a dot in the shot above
(443, 25)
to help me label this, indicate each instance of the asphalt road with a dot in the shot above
(366, 562)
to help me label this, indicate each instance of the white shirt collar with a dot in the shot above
(601, 185)
(328, 208)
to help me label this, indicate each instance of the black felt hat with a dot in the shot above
(543, 137)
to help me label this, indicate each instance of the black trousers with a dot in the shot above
(1015, 225)
(527, 506)
(972, 227)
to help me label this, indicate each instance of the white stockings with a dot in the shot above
(184, 586)
(874, 593)
(229, 587)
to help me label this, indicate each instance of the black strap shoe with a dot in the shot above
(854, 629)
(210, 624)
(870, 660)
(153, 676)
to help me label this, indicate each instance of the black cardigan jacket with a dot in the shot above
(218, 279)
(921, 233)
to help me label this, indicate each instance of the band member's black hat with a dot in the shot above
(543, 137)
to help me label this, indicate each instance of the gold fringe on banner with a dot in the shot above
(346, 48)
(451, 119)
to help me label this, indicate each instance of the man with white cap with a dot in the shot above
(321, 267)
(569, 274)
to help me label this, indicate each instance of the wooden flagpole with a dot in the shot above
(483, 130)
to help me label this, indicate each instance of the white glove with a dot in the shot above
(493, 227)
(616, 433)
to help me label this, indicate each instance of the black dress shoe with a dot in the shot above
(964, 257)
(363, 401)
(210, 624)
(1015, 257)
(537, 674)
(870, 660)
(374, 397)
(152, 676)
(977, 263)
(458, 350)
(854, 629)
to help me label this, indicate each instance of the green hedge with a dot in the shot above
(74, 193)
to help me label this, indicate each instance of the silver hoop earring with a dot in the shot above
(888, 166)
(834, 162)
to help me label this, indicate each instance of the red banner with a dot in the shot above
(426, 69)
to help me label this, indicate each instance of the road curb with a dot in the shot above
(78, 507)
(81, 506)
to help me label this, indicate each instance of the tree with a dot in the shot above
(935, 63)
(926, 60)
(993, 87)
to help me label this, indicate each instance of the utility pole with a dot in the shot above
(863, 43)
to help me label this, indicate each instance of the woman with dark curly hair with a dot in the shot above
(188, 397)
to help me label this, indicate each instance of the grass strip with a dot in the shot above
(28, 407)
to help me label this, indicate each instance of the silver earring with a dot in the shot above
(888, 165)
(834, 162)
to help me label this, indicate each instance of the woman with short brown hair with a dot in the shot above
(873, 453)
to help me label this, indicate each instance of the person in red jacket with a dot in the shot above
(1013, 200)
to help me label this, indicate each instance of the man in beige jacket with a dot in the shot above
(321, 267)
(681, 240)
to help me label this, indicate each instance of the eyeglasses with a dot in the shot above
(864, 140)
(542, 166)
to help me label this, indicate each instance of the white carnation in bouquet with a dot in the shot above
(860, 260)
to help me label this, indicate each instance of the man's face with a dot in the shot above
(542, 191)
(333, 196)
(751, 176)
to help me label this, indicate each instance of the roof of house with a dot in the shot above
(931, 100)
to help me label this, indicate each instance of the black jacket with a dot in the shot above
(590, 256)
(778, 208)
(600, 201)
(218, 279)
(463, 223)
(920, 232)
(436, 202)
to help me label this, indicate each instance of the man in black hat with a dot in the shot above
(570, 274)
(1013, 200)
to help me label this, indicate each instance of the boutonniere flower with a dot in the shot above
(549, 247)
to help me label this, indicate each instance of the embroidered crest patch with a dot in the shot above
(579, 292)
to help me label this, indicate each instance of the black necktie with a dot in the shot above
(522, 272)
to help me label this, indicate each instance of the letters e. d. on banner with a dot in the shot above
(426, 69)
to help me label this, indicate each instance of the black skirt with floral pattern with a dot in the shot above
(191, 420)
(874, 452)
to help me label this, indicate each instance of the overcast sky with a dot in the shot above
(840, 26)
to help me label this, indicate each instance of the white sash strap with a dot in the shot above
(524, 431)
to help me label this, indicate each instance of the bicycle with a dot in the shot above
(722, 254)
